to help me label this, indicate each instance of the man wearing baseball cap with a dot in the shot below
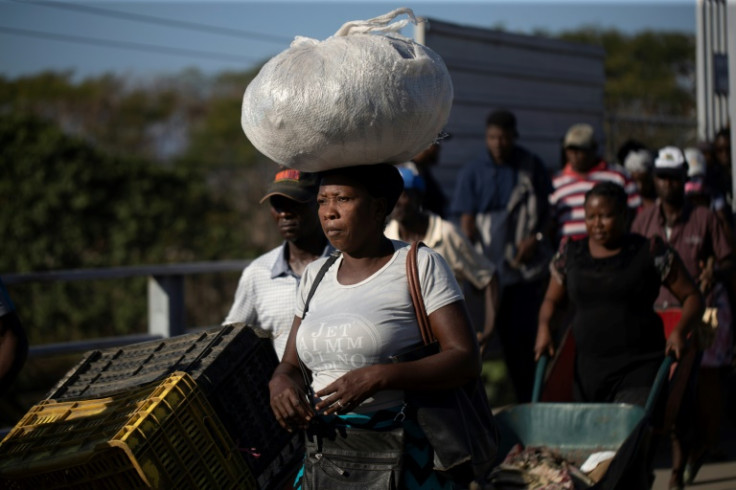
(582, 171)
(702, 242)
(266, 294)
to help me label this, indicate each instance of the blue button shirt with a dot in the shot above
(483, 186)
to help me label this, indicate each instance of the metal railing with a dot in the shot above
(166, 299)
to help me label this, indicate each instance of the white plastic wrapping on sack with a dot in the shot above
(365, 95)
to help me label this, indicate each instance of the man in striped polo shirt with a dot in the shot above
(266, 294)
(583, 170)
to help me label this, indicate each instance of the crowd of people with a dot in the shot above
(649, 233)
(608, 244)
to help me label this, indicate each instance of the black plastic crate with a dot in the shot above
(231, 364)
(101, 372)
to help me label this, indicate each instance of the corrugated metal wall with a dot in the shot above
(712, 67)
(716, 71)
(548, 84)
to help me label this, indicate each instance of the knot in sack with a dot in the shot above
(365, 95)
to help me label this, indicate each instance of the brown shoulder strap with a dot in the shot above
(415, 290)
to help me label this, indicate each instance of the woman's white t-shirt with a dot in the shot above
(351, 326)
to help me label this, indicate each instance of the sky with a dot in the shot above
(159, 37)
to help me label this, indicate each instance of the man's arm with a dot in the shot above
(467, 224)
(243, 309)
(464, 205)
(543, 188)
(542, 183)
(721, 267)
(13, 349)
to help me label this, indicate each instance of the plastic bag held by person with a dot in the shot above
(365, 95)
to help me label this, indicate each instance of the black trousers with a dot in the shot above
(516, 324)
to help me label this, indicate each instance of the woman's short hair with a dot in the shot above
(380, 180)
(612, 191)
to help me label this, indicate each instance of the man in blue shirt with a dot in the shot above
(501, 199)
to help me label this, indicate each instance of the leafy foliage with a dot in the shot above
(68, 205)
(64, 204)
(650, 85)
(650, 72)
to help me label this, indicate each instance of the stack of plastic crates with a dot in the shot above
(231, 365)
(162, 435)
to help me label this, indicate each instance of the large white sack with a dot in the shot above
(365, 95)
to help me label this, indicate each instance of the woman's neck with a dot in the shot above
(603, 250)
(357, 267)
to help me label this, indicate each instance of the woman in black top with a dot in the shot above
(612, 279)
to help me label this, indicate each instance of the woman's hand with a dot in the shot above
(556, 293)
(289, 403)
(676, 344)
(543, 344)
(457, 363)
(348, 391)
(483, 340)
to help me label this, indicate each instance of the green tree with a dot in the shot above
(187, 121)
(650, 85)
(64, 204)
(104, 111)
(236, 172)
(649, 72)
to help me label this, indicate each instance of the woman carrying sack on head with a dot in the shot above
(349, 107)
(360, 314)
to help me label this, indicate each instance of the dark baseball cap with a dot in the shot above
(293, 184)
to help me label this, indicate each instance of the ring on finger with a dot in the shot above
(339, 403)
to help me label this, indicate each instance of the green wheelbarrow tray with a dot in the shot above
(575, 430)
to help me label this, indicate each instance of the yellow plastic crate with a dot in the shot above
(162, 435)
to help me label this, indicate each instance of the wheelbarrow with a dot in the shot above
(577, 430)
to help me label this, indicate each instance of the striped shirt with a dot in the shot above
(266, 296)
(568, 196)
